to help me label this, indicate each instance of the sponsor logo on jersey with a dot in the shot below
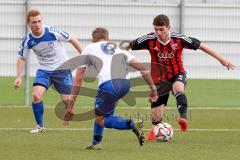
(33, 42)
(164, 56)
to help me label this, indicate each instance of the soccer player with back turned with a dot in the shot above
(113, 85)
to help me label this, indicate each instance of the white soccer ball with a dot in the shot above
(163, 132)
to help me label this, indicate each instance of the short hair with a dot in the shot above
(99, 33)
(161, 20)
(32, 13)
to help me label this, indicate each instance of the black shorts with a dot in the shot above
(165, 87)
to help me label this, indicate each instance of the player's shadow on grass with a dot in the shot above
(118, 71)
(129, 99)
(60, 109)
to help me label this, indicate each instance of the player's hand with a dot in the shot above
(153, 94)
(125, 45)
(69, 113)
(227, 63)
(18, 82)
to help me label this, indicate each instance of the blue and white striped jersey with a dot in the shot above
(48, 47)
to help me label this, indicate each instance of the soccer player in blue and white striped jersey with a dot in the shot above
(46, 43)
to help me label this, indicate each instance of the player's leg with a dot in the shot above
(181, 99)
(40, 86)
(97, 135)
(158, 107)
(108, 94)
(157, 110)
(105, 102)
(62, 81)
(112, 91)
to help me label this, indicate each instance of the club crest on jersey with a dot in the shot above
(51, 45)
(174, 46)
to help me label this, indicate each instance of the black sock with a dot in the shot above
(156, 122)
(97, 139)
(181, 104)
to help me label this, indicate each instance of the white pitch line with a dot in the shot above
(90, 129)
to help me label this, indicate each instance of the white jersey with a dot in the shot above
(48, 47)
(113, 63)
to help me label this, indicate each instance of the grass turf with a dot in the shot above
(60, 143)
(200, 93)
(217, 133)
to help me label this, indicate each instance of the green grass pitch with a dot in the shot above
(213, 118)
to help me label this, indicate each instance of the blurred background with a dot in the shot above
(214, 22)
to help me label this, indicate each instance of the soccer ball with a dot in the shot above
(163, 132)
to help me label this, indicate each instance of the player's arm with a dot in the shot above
(76, 44)
(20, 66)
(77, 83)
(137, 44)
(193, 43)
(68, 115)
(80, 75)
(225, 62)
(22, 54)
(135, 63)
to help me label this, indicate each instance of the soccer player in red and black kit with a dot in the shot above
(165, 48)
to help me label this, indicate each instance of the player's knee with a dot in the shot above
(178, 87)
(36, 97)
(100, 121)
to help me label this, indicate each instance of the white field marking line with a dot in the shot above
(139, 108)
(90, 129)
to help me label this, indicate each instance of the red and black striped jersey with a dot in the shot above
(166, 59)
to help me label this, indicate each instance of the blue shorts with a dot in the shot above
(61, 80)
(108, 94)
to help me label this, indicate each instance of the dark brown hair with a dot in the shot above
(161, 20)
(99, 33)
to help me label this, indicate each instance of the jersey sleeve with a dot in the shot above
(60, 35)
(140, 43)
(86, 53)
(23, 49)
(190, 42)
(129, 56)
(86, 50)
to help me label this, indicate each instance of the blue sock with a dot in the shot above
(38, 111)
(118, 123)
(97, 133)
